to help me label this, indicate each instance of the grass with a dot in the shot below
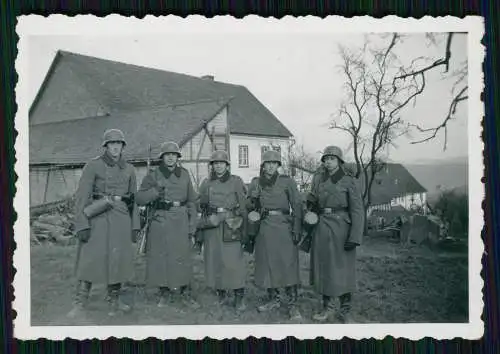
(396, 284)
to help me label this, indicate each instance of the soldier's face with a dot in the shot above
(331, 162)
(270, 168)
(220, 167)
(114, 148)
(170, 159)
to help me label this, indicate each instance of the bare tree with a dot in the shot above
(378, 87)
(459, 89)
(303, 164)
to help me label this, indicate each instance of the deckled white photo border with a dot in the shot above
(118, 25)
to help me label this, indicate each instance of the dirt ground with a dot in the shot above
(396, 284)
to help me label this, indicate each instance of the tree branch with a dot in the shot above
(451, 112)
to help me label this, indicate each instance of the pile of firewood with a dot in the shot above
(53, 224)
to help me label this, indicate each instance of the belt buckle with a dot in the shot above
(176, 204)
(328, 211)
(115, 198)
(221, 210)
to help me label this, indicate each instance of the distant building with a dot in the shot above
(394, 186)
(83, 96)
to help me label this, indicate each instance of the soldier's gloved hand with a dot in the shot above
(349, 246)
(83, 235)
(310, 205)
(135, 235)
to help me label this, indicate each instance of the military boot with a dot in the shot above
(187, 298)
(272, 303)
(164, 296)
(81, 298)
(344, 315)
(115, 303)
(292, 298)
(328, 311)
(239, 300)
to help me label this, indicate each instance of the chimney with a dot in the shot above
(208, 77)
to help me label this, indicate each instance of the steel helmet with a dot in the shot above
(219, 155)
(113, 135)
(169, 147)
(271, 156)
(332, 151)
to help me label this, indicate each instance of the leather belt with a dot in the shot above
(328, 211)
(112, 197)
(166, 205)
(278, 212)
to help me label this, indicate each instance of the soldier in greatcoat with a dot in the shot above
(106, 232)
(335, 196)
(276, 251)
(222, 204)
(168, 247)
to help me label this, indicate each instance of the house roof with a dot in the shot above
(122, 87)
(76, 141)
(391, 182)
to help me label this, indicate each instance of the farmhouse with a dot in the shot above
(83, 96)
(394, 186)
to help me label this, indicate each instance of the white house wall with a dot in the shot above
(406, 201)
(217, 126)
(254, 153)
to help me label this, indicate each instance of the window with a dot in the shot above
(265, 148)
(243, 155)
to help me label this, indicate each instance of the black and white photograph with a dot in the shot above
(193, 177)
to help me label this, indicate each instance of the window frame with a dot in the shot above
(240, 160)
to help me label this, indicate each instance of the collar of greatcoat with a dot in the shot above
(111, 162)
(223, 178)
(337, 175)
(167, 172)
(268, 182)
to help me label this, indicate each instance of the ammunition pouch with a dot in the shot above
(97, 207)
(129, 199)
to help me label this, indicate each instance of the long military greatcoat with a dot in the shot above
(168, 253)
(276, 256)
(333, 270)
(225, 265)
(108, 255)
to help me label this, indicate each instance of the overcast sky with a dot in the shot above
(296, 77)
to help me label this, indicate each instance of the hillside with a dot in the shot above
(435, 175)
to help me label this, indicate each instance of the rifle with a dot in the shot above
(150, 211)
